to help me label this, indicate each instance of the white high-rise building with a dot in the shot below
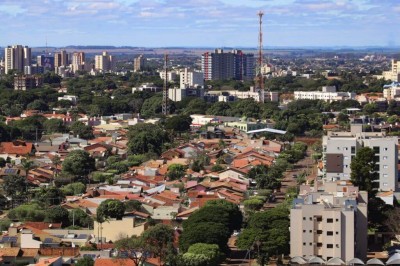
(17, 57)
(340, 147)
(190, 78)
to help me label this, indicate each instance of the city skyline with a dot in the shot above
(199, 23)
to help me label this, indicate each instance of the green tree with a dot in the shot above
(253, 204)
(27, 212)
(201, 254)
(80, 218)
(15, 187)
(270, 229)
(39, 105)
(204, 232)
(160, 238)
(132, 205)
(110, 209)
(364, 170)
(78, 163)
(50, 196)
(196, 106)
(144, 138)
(54, 125)
(74, 189)
(58, 214)
(85, 261)
(176, 171)
(81, 130)
(179, 123)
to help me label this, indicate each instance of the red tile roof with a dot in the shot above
(16, 147)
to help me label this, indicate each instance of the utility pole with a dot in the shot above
(165, 109)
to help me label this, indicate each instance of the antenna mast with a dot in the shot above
(165, 88)
(260, 78)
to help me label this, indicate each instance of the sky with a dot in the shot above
(200, 23)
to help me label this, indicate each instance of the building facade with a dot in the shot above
(78, 61)
(26, 82)
(340, 147)
(104, 62)
(328, 94)
(328, 222)
(61, 59)
(224, 66)
(190, 78)
(139, 63)
(17, 57)
(394, 73)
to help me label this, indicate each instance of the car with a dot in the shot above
(235, 233)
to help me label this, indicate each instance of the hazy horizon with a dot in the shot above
(200, 23)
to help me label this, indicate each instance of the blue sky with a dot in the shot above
(211, 23)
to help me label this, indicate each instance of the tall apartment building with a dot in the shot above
(78, 61)
(17, 57)
(327, 94)
(339, 148)
(104, 62)
(45, 61)
(139, 63)
(329, 221)
(394, 73)
(191, 78)
(391, 91)
(232, 65)
(61, 59)
(171, 75)
(26, 82)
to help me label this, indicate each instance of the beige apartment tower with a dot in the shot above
(104, 62)
(17, 57)
(139, 63)
(61, 59)
(330, 225)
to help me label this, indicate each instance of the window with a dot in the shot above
(304, 231)
(319, 244)
(329, 220)
(345, 148)
(376, 149)
(310, 231)
(337, 232)
(385, 184)
(304, 243)
(353, 149)
(304, 218)
(385, 149)
(385, 157)
(319, 219)
(337, 220)
(310, 218)
(346, 157)
(385, 167)
(329, 233)
(329, 245)
(310, 244)
(337, 245)
(319, 232)
(385, 175)
(346, 166)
